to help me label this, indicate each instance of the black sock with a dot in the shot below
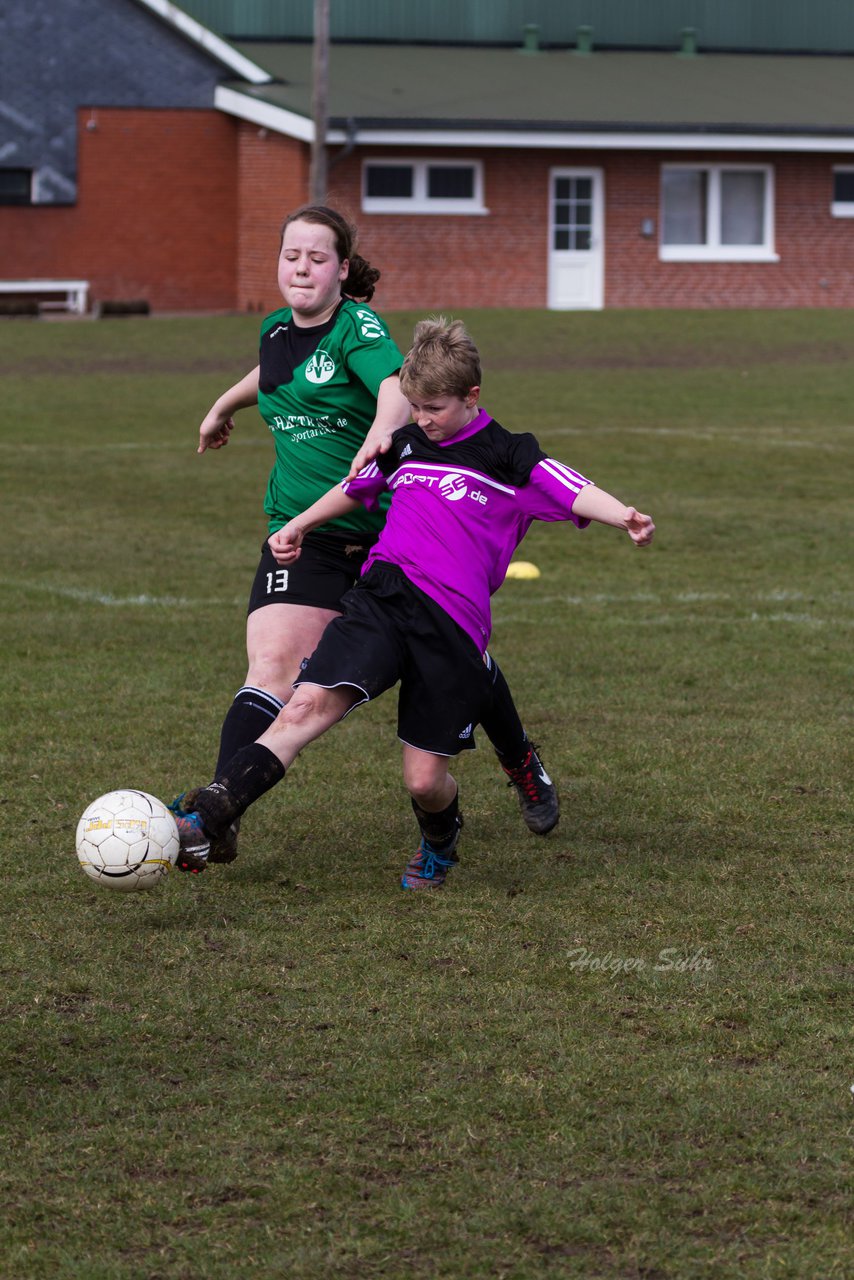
(245, 778)
(440, 829)
(250, 714)
(501, 721)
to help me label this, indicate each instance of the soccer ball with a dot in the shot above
(127, 840)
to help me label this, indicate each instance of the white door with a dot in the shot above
(576, 246)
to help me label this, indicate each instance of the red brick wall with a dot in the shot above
(431, 262)
(183, 208)
(426, 262)
(816, 250)
(435, 261)
(155, 218)
(273, 176)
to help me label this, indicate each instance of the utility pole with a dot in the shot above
(319, 99)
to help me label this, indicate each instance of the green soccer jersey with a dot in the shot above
(317, 392)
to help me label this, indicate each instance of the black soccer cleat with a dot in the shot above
(199, 812)
(537, 793)
(224, 849)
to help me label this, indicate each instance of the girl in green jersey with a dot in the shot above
(327, 386)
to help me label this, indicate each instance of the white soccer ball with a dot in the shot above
(127, 840)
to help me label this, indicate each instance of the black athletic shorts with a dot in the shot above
(329, 566)
(389, 631)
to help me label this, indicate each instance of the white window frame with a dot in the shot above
(842, 208)
(419, 201)
(713, 250)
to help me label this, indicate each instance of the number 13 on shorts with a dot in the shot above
(277, 582)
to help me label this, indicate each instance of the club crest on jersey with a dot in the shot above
(320, 367)
(453, 487)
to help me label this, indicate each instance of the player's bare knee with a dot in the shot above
(307, 703)
(269, 672)
(314, 706)
(426, 783)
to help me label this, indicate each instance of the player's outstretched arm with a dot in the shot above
(286, 543)
(392, 414)
(218, 422)
(594, 503)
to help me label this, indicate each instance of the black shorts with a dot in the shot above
(329, 566)
(389, 631)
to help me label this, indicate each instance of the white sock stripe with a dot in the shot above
(272, 704)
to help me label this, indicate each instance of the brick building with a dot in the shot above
(155, 159)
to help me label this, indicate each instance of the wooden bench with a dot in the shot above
(75, 300)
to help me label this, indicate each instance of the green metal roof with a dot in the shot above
(421, 87)
(747, 25)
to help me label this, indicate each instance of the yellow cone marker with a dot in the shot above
(522, 569)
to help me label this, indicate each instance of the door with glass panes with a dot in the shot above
(576, 248)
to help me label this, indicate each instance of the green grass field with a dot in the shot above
(616, 1053)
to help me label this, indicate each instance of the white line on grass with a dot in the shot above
(775, 596)
(113, 601)
(699, 619)
(778, 595)
(507, 614)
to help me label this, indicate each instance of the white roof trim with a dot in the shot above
(280, 120)
(598, 141)
(208, 41)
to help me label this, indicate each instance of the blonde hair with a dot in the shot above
(442, 361)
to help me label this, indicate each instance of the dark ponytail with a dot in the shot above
(362, 277)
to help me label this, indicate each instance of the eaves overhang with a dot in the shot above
(548, 134)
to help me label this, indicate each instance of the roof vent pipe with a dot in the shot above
(584, 40)
(530, 38)
(688, 42)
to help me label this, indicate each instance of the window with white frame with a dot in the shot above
(842, 205)
(422, 186)
(717, 212)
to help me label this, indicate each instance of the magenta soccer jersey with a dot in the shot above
(460, 508)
